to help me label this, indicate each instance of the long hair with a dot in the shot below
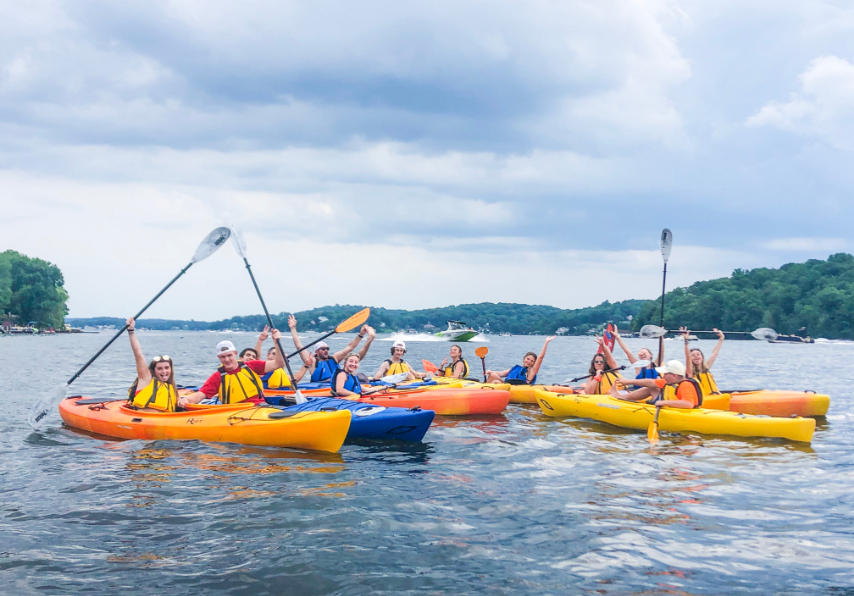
(699, 368)
(151, 365)
(592, 369)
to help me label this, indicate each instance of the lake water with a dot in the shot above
(511, 504)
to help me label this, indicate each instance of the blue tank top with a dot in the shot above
(520, 373)
(351, 384)
(323, 370)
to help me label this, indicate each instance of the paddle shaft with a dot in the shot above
(123, 329)
(270, 323)
(604, 371)
(663, 285)
(483, 363)
(319, 339)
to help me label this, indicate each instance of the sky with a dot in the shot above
(414, 155)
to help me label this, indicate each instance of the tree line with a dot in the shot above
(31, 290)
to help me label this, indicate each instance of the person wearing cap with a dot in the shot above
(396, 364)
(235, 381)
(322, 365)
(672, 389)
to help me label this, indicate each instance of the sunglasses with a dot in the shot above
(162, 359)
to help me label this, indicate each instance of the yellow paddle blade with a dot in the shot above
(652, 433)
(358, 319)
(481, 352)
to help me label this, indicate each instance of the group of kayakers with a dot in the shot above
(241, 377)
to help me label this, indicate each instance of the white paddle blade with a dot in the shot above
(764, 333)
(39, 413)
(301, 399)
(395, 378)
(211, 244)
(639, 364)
(652, 331)
(666, 243)
(238, 241)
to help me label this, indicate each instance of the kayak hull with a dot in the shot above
(526, 394)
(780, 403)
(247, 425)
(370, 421)
(639, 416)
(448, 401)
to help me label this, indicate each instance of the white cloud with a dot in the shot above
(806, 244)
(823, 108)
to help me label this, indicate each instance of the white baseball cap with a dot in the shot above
(321, 344)
(398, 344)
(225, 346)
(672, 366)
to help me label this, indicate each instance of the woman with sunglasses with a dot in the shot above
(157, 379)
(601, 377)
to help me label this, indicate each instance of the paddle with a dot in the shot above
(429, 366)
(635, 364)
(240, 247)
(481, 353)
(392, 380)
(357, 319)
(652, 431)
(666, 245)
(651, 331)
(38, 413)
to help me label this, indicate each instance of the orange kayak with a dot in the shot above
(445, 401)
(779, 403)
(248, 425)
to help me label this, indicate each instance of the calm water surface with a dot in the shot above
(512, 504)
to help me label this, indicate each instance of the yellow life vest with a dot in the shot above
(396, 368)
(707, 383)
(156, 395)
(604, 385)
(239, 386)
(449, 370)
(278, 378)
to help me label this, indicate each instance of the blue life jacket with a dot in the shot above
(648, 373)
(323, 370)
(519, 373)
(351, 384)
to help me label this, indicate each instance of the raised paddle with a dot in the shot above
(358, 319)
(635, 364)
(38, 413)
(650, 331)
(652, 431)
(481, 353)
(240, 247)
(666, 245)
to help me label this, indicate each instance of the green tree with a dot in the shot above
(32, 290)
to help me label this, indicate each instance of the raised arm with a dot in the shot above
(292, 323)
(279, 360)
(371, 335)
(623, 345)
(337, 356)
(689, 366)
(606, 351)
(259, 345)
(536, 368)
(142, 372)
(717, 349)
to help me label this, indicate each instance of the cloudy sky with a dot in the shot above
(411, 155)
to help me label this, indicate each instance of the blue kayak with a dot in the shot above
(369, 421)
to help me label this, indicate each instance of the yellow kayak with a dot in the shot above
(638, 416)
(527, 394)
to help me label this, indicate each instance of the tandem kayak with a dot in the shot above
(267, 426)
(369, 421)
(779, 403)
(638, 416)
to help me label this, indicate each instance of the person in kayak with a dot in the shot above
(154, 388)
(279, 379)
(602, 377)
(524, 374)
(458, 368)
(235, 381)
(323, 364)
(672, 389)
(396, 364)
(646, 372)
(344, 382)
(696, 364)
(248, 354)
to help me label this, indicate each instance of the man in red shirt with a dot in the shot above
(687, 392)
(236, 381)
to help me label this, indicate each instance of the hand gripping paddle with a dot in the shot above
(481, 353)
